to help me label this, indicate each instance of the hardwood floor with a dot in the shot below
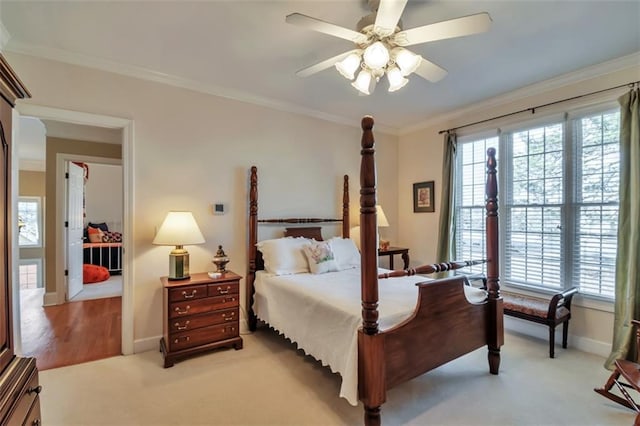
(72, 333)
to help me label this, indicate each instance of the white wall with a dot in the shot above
(192, 149)
(103, 194)
(420, 153)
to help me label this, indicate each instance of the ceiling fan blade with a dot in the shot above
(430, 71)
(325, 27)
(306, 72)
(458, 27)
(388, 15)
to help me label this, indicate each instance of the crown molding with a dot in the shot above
(61, 55)
(618, 64)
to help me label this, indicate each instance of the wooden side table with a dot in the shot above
(391, 251)
(199, 314)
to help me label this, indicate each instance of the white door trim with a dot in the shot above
(89, 119)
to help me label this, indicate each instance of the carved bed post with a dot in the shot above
(496, 326)
(345, 208)
(253, 239)
(371, 376)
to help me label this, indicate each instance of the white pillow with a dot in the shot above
(346, 253)
(320, 257)
(284, 256)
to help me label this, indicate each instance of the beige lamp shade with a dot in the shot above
(382, 218)
(178, 229)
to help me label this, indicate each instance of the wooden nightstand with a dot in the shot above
(396, 250)
(200, 314)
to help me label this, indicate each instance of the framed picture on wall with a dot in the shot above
(423, 200)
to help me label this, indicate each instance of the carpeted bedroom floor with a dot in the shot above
(109, 288)
(270, 383)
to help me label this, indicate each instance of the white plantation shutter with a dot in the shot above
(533, 206)
(470, 241)
(597, 161)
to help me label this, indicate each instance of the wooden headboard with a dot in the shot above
(255, 262)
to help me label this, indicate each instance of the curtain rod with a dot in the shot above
(533, 109)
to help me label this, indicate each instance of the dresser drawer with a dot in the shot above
(34, 418)
(224, 288)
(199, 336)
(203, 320)
(199, 306)
(28, 395)
(187, 293)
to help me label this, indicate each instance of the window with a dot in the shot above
(30, 273)
(558, 202)
(29, 222)
(470, 240)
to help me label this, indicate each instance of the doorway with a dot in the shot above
(55, 300)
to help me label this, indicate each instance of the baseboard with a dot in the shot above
(147, 344)
(541, 332)
(50, 299)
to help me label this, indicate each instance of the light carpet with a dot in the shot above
(269, 382)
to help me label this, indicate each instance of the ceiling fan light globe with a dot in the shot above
(396, 79)
(348, 66)
(376, 56)
(363, 82)
(407, 61)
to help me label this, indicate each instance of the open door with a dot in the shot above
(75, 220)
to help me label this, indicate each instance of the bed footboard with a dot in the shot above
(443, 327)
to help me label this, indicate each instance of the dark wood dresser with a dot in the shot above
(200, 314)
(19, 388)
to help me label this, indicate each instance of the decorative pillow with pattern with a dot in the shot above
(95, 234)
(320, 257)
(111, 237)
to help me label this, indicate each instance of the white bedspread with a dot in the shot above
(322, 313)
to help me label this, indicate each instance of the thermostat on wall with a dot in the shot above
(219, 208)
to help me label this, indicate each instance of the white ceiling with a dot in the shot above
(245, 50)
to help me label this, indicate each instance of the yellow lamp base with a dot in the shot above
(178, 264)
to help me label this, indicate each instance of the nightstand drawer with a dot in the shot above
(223, 288)
(211, 334)
(203, 320)
(187, 293)
(199, 306)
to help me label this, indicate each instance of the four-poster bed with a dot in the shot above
(393, 338)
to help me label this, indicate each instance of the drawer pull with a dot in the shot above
(221, 291)
(179, 312)
(185, 338)
(182, 327)
(229, 329)
(231, 316)
(35, 390)
(189, 296)
(36, 422)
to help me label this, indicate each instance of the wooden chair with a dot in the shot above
(630, 372)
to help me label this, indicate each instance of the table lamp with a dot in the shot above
(178, 229)
(382, 223)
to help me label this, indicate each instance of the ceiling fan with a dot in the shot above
(380, 45)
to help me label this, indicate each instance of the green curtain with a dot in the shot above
(446, 228)
(627, 304)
